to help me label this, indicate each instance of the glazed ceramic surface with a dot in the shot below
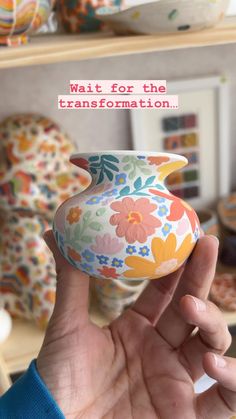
(28, 276)
(79, 15)
(126, 225)
(164, 16)
(35, 172)
(20, 18)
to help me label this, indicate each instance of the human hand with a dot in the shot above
(144, 364)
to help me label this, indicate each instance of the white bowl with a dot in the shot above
(164, 16)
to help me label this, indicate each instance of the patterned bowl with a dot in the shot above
(164, 16)
(20, 18)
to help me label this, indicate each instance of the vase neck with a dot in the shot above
(124, 167)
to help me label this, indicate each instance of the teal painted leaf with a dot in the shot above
(111, 166)
(125, 191)
(93, 158)
(110, 158)
(93, 171)
(87, 215)
(101, 177)
(95, 165)
(109, 174)
(86, 239)
(150, 180)
(77, 230)
(96, 226)
(100, 212)
(138, 183)
(141, 194)
(158, 186)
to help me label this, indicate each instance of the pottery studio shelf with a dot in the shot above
(47, 49)
(25, 341)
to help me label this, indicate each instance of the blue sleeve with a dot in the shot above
(29, 398)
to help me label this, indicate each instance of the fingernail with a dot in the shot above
(219, 361)
(215, 238)
(200, 305)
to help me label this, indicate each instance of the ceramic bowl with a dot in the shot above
(164, 16)
(22, 17)
(208, 221)
(126, 225)
(35, 172)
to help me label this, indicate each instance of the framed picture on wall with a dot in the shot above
(199, 130)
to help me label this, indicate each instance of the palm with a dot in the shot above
(143, 365)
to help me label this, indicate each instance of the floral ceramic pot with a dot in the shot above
(126, 224)
(35, 172)
(79, 15)
(20, 18)
(28, 279)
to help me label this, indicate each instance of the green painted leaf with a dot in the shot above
(150, 180)
(93, 158)
(86, 239)
(141, 163)
(146, 171)
(100, 212)
(125, 191)
(127, 167)
(77, 230)
(110, 158)
(138, 183)
(87, 215)
(132, 174)
(126, 159)
(96, 226)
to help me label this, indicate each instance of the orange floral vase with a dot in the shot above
(126, 224)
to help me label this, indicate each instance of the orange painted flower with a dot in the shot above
(158, 160)
(134, 220)
(108, 272)
(166, 257)
(73, 254)
(74, 215)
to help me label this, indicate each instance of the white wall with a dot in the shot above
(36, 88)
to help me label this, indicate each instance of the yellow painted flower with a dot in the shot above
(166, 257)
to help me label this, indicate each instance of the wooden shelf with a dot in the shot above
(47, 49)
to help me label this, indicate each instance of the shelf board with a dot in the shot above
(47, 49)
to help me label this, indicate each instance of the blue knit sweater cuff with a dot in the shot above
(29, 398)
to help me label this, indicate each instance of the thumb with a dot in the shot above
(72, 293)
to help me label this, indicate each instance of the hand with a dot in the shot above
(144, 364)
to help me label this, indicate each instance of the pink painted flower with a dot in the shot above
(134, 220)
(107, 245)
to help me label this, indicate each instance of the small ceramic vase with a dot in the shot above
(28, 278)
(126, 224)
(35, 172)
(79, 15)
(115, 296)
(18, 19)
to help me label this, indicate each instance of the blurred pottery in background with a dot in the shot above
(21, 18)
(227, 212)
(126, 224)
(79, 15)
(28, 276)
(209, 222)
(5, 325)
(35, 173)
(115, 296)
(223, 291)
(164, 16)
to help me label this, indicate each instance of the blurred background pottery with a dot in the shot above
(209, 221)
(5, 325)
(79, 15)
(164, 16)
(227, 212)
(126, 224)
(35, 172)
(21, 18)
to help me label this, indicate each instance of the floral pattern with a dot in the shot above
(126, 224)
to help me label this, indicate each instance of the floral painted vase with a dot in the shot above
(126, 224)
(35, 172)
(28, 278)
(79, 15)
(20, 18)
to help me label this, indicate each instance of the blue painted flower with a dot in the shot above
(163, 210)
(158, 199)
(121, 179)
(117, 263)
(141, 157)
(130, 250)
(110, 193)
(85, 267)
(103, 260)
(45, 190)
(94, 200)
(196, 234)
(89, 256)
(144, 251)
(166, 229)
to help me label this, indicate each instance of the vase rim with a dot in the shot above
(178, 157)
